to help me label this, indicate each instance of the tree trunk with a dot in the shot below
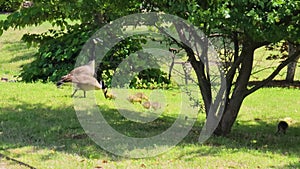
(204, 84)
(291, 69)
(190, 40)
(234, 103)
(229, 117)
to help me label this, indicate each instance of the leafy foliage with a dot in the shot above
(9, 5)
(137, 67)
(59, 47)
(57, 54)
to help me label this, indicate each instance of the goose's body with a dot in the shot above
(83, 78)
(85, 83)
(88, 70)
(82, 82)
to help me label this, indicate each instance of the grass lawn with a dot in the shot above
(39, 126)
(14, 52)
(263, 67)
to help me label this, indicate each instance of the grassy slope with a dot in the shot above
(37, 122)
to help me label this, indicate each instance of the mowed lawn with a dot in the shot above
(39, 126)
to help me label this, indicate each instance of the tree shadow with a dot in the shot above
(260, 137)
(24, 53)
(58, 129)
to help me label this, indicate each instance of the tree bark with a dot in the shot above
(239, 93)
(190, 39)
(291, 69)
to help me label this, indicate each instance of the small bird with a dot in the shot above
(282, 127)
(134, 99)
(108, 95)
(146, 105)
(142, 96)
(153, 105)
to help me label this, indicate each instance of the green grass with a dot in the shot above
(38, 125)
(14, 52)
(262, 68)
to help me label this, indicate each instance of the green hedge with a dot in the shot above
(10, 5)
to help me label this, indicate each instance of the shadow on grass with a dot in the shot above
(24, 53)
(58, 129)
(293, 165)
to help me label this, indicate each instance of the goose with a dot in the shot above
(82, 82)
(88, 69)
(85, 83)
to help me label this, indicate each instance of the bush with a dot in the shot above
(56, 55)
(59, 49)
(58, 52)
(10, 5)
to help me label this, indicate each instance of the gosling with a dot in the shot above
(133, 99)
(141, 96)
(153, 105)
(108, 95)
(146, 105)
(282, 127)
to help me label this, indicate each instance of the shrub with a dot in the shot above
(9, 5)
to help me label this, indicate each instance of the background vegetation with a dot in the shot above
(9, 5)
(38, 125)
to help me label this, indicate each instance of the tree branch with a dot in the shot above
(276, 71)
